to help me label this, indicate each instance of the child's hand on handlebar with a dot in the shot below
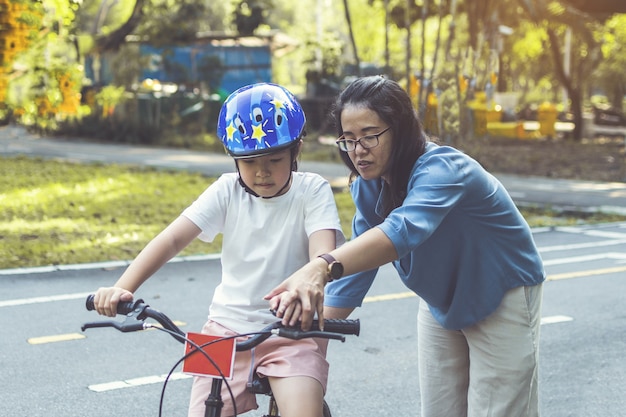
(304, 287)
(106, 299)
(287, 307)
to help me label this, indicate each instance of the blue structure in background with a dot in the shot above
(222, 68)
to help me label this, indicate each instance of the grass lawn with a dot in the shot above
(55, 213)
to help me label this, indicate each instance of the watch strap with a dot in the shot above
(328, 258)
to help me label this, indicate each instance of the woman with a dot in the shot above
(456, 239)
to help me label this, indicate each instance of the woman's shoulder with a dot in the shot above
(437, 149)
(436, 154)
(442, 163)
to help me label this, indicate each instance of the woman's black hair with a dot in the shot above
(394, 106)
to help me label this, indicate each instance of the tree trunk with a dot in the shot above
(115, 39)
(422, 91)
(573, 92)
(352, 40)
(577, 112)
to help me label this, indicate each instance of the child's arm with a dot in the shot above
(321, 242)
(161, 249)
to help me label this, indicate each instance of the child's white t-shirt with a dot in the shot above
(264, 241)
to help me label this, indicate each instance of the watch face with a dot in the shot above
(336, 270)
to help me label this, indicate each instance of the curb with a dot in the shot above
(100, 265)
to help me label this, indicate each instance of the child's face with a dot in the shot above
(266, 175)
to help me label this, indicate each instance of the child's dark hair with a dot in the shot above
(393, 105)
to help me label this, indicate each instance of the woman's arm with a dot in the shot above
(161, 249)
(370, 250)
(320, 242)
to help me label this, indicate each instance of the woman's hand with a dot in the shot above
(106, 299)
(301, 295)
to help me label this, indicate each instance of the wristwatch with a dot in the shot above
(335, 268)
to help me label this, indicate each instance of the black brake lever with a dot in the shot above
(133, 322)
(128, 325)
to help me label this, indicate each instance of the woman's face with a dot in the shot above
(358, 121)
(266, 175)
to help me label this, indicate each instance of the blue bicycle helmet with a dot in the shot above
(259, 119)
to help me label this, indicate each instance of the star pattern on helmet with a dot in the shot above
(278, 104)
(230, 131)
(258, 133)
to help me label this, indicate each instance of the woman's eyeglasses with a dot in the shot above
(367, 142)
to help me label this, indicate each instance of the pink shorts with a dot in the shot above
(275, 357)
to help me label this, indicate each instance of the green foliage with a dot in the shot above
(45, 79)
(56, 213)
(526, 63)
(611, 76)
(171, 21)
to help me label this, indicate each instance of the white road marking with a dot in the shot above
(585, 245)
(136, 382)
(585, 258)
(44, 299)
(555, 319)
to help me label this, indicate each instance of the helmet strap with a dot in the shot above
(294, 167)
(284, 186)
(244, 185)
(250, 191)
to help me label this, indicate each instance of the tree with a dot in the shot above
(355, 51)
(42, 92)
(250, 14)
(611, 76)
(554, 18)
(113, 40)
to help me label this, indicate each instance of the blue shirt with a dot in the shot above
(461, 241)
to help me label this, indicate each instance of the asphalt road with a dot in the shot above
(51, 368)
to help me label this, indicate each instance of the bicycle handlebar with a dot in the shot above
(138, 311)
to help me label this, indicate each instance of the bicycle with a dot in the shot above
(137, 312)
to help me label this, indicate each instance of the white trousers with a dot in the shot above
(488, 369)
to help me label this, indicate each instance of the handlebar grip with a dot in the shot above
(123, 307)
(340, 326)
(297, 334)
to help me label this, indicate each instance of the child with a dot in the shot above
(273, 221)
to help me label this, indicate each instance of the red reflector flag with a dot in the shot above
(221, 350)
